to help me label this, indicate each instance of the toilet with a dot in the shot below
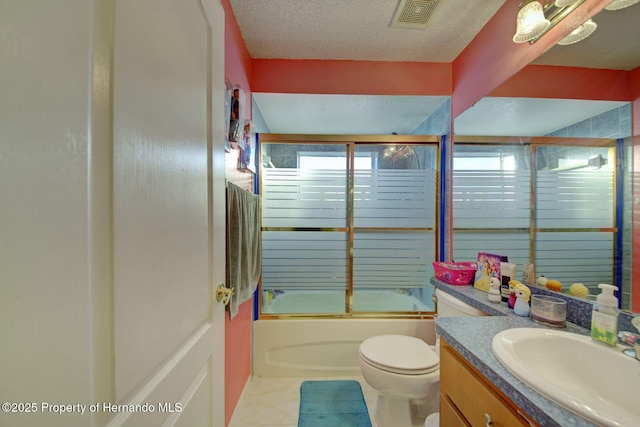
(450, 306)
(405, 371)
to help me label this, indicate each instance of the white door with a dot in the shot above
(111, 213)
(168, 212)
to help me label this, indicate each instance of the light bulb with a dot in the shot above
(531, 22)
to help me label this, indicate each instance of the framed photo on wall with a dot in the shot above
(234, 117)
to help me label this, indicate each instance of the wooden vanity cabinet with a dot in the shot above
(467, 398)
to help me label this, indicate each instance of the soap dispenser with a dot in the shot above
(604, 318)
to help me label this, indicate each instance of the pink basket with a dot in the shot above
(455, 273)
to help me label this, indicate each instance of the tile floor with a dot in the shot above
(274, 402)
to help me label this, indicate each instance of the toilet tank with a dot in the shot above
(449, 306)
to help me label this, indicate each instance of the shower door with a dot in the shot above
(304, 222)
(348, 227)
(394, 228)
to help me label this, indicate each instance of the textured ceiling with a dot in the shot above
(357, 29)
(361, 30)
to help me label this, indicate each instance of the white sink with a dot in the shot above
(592, 380)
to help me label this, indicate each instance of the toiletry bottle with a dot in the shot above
(507, 273)
(604, 318)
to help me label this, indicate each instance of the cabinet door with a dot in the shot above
(449, 415)
(472, 396)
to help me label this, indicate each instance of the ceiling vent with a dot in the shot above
(414, 13)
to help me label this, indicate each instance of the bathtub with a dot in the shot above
(307, 348)
(327, 301)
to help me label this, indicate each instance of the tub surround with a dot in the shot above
(471, 337)
(308, 348)
(332, 301)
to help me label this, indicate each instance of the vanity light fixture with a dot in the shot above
(536, 17)
(531, 22)
(564, 3)
(580, 33)
(621, 4)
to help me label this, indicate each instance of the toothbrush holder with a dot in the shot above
(549, 311)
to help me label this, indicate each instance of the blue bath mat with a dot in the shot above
(332, 404)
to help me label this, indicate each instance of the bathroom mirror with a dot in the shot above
(548, 200)
(616, 41)
(549, 187)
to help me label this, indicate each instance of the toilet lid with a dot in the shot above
(399, 354)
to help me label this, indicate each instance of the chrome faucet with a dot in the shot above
(631, 339)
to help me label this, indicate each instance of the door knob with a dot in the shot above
(223, 294)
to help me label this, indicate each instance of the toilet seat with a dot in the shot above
(399, 354)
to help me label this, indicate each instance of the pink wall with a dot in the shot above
(351, 77)
(237, 344)
(544, 81)
(237, 64)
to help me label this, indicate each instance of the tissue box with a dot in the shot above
(455, 273)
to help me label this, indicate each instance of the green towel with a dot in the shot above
(244, 247)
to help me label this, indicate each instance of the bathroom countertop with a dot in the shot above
(472, 336)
